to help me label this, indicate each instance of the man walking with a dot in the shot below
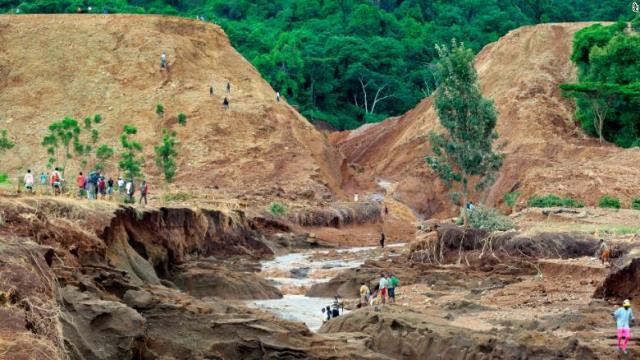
(163, 60)
(144, 188)
(624, 318)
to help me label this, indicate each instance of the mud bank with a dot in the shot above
(84, 285)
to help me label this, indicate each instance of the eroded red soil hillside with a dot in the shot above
(52, 66)
(546, 151)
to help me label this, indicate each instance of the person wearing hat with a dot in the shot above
(624, 319)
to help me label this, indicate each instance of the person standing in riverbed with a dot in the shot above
(624, 319)
(364, 294)
(382, 286)
(393, 284)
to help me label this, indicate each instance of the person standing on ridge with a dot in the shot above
(120, 185)
(144, 188)
(56, 182)
(130, 189)
(28, 181)
(80, 182)
(277, 96)
(102, 187)
(43, 181)
(228, 87)
(110, 188)
(624, 320)
(603, 252)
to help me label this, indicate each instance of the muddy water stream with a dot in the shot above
(305, 269)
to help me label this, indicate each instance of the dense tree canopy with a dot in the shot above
(608, 91)
(348, 62)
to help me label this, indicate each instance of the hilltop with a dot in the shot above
(52, 66)
(546, 151)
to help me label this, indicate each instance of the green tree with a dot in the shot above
(182, 119)
(62, 134)
(159, 110)
(606, 94)
(103, 154)
(131, 161)
(166, 155)
(5, 142)
(465, 152)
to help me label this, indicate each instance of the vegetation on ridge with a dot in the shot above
(608, 90)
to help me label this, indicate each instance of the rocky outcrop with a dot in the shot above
(623, 282)
(407, 334)
(209, 279)
(100, 329)
(29, 323)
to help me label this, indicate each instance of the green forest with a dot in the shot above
(608, 92)
(347, 62)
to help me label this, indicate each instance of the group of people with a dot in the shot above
(45, 179)
(164, 65)
(333, 310)
(385, 293)
(91, 186)
(96, 184)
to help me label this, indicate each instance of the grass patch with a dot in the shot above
(487, 219)
(609, 202)
(635, 203)
(181, 196)
(554, 201)
(277, 208)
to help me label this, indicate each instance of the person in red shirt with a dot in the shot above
(80, 181)
(102, 187)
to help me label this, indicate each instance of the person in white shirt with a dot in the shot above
(121, 185)
(28, 181)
